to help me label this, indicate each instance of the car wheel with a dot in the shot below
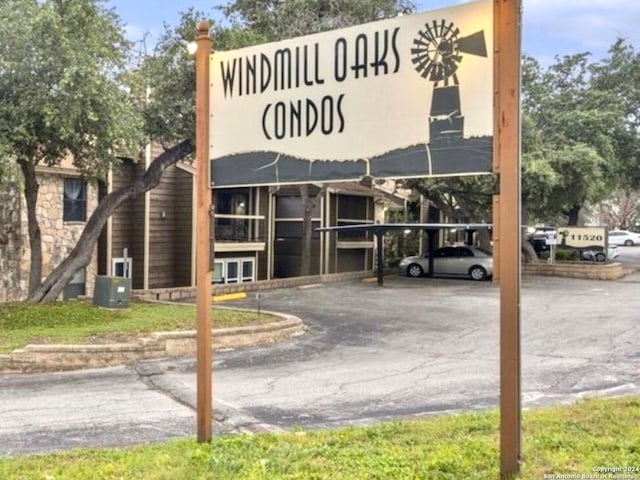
(414, 270)
(477, 273)
(628, 243)
(600, 257)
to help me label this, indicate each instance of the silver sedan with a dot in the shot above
(455, 261)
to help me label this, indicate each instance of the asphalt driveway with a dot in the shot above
(423, 346)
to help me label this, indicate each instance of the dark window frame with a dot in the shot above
(74, 200)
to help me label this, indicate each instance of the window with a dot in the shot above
(353, 207)
(232, 207)
(444, 252)
(232, 201)
(233, 270)
(218, 272)
(74, 201)
(292, 208)
(247, 270)
(293, 229)
(121, 267)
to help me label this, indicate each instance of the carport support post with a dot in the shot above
(468, 237)
(507, 166)
(431, 246)
(380, 256)
(204, 401)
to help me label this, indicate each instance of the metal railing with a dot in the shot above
(239, 228)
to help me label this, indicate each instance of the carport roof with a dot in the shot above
(385, 227)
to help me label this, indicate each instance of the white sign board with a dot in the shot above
(550, 239)
(410, 96)
(582, 237)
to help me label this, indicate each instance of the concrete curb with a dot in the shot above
(57, 357)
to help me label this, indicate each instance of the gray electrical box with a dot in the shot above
(112, 292)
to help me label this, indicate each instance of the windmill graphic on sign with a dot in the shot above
(436, 54)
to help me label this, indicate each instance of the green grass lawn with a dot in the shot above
(78, 322)
(561, 440)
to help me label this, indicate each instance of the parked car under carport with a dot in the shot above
(380, 229)
(451, 261)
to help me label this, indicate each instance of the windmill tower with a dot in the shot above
(436, 54)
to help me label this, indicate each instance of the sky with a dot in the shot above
(550, 27)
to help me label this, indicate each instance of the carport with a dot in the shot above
(380, 230)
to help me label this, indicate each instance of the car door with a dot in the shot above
(464, 259)
(444, 261)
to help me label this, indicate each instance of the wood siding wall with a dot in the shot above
(354, 209)
(127, 223)
(183, 230)
(262, 195)
(170, 223)
(170, 229)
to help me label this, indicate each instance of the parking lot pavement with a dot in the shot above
(422, 346)
(412, 348)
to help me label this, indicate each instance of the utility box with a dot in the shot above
(112, 292)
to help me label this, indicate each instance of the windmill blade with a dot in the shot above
(420, 62)
(473, 44)
(428, 35)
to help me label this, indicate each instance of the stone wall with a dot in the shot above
(10, 243)
(589, 271)
(58, 237)
(57, 357)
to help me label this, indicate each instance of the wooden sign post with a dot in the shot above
(507, 214)
(204, 404)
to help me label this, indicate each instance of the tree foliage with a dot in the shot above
(281, 19)
(569, 156)
(621, 210)
(460, 199)
(62, 94)
(619, 74)
(165, 81)
(61, 64)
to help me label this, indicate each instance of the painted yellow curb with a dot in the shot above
(229, 296)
